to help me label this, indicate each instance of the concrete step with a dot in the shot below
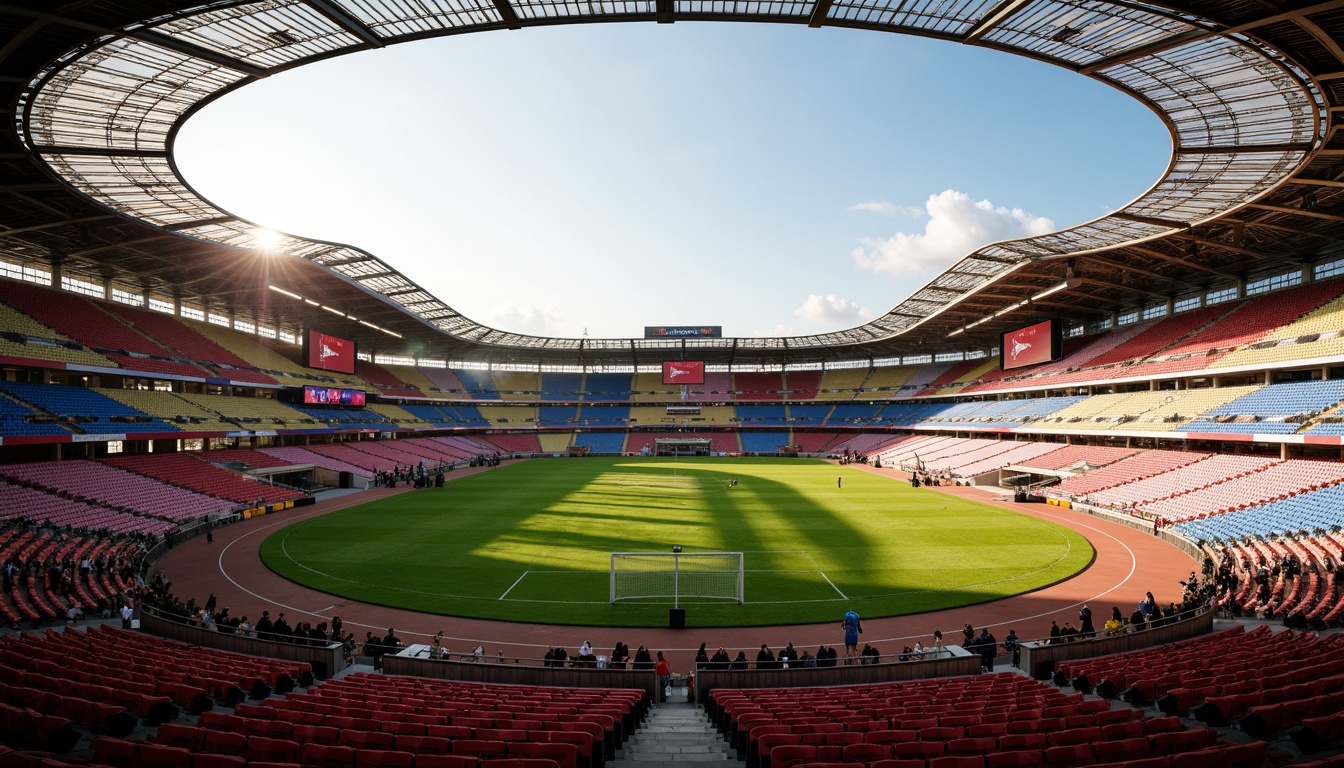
(676, 732)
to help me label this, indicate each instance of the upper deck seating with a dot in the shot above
(841, 383)
(718, 387)
(175, 335)
(18, 419)
(25, 338)
(565, 387)
(87, 323)
(802, 385)
(477, 383)
(1275, 409)
(385, 381)
(604, 415)
(517, 385)
(446, 383)
(762, 415)
(85, 409)
(606, 386)
(758, 386)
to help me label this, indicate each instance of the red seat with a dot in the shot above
(421, 744)
(185, 736)
(149, 755)
(1021, 758)
(566, 755)
(384, 758)
(898, 763)
(367, 739)
(265, 748)
(114, 752)
(866, 753)
(1069, 756)
(786, 755)
(958, 761)
(979, 746)
(522, 762)
(482, 748)
(1122, 750)
(316, 734)
(1200, 758)
(1022, 741)
(445, 761)
(209, 760)
(225, 742)
(890, 736)
(920, 749)
(326, 755)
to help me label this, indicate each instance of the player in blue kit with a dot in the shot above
(852, 628)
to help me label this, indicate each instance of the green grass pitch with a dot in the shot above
(532, 542)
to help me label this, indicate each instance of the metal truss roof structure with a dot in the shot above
(1251, 91)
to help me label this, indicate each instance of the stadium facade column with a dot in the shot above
(57, 272)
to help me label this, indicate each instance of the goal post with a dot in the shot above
(677, 576)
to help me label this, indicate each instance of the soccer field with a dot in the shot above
(532, 541)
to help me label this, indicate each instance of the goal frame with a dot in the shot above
(676, 558)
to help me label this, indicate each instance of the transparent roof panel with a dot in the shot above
(398, 18)
(559, 9)
(264, 34)
(1083, 32)
(126, 94)
(1222, 96)
(947, 17)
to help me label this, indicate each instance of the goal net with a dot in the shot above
(677, 576)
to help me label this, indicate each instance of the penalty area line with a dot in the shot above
(524, 576)
(832, 583)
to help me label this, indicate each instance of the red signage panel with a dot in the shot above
(1028, 346)
(684, 373)
(329, 353)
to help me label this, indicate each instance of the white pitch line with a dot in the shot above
(510, 589)
(832, 583)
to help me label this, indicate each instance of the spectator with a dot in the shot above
(1013, 647)
(664, 673)
(765, 658)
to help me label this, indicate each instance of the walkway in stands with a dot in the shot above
(1128, 563)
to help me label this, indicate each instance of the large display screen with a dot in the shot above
(332, 396)
(1032, 345)
(683, 331)
(329, 353)
(684, 373)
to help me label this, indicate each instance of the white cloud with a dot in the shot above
(780, 329)
(535, 321)
(831, 311)
(887, 208)
(956, 226)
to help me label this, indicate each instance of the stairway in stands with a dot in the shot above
(676, 732)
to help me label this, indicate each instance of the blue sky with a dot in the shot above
(771, 179)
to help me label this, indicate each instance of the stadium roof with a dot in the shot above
(1251, 91)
